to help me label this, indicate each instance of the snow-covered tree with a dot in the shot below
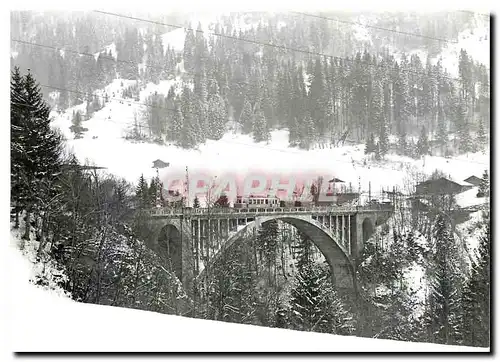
(370, 144)
(423, 143)
(259, 128)
(443, 309)
(476, 296)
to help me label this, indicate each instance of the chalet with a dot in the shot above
(336, 180)
(473, 180)
(160, 164)
(441, 186)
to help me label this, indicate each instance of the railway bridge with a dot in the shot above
(194, 238)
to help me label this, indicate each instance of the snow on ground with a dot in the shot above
(174, 39)
(468, 198)
(477, 44)
(40, 320)
(238, 153)
(474, 40)
(470, 233)
(104, 145)
(162, 87)
(414, 275)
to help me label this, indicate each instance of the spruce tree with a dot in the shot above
(484, 185)
(17, 127)
(370, 144)
(36, 148)
(481, 135)
(476, 296)
(142, 193)
(245, 119)
(260, 130)
(442, 314)
(423, 143)
(176, 124)
(383, 143)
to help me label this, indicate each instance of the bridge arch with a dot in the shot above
(336, 255)
(367, 227)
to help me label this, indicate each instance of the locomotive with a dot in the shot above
(256, 202)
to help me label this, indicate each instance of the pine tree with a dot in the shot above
(190, 127)
(383, 140)
(423, 143)
(442, 133)
(403, 144)
(305, 302)
(36, 148)
(442, 315)
(370, 144)
(176, 124)
(142, 193)
(196, 203)
(222, 201)
(267, 239)
(189, 49)
(481, 135)
(245, 119)
(17, 105)
(484, 186)
(77, 128)
(216, 117)
(260, 130)
(476, 296)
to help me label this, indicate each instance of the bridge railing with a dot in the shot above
(278, 210)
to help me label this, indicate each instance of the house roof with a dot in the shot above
(472, 178)
(335, 180)
(443, 179)
(160, 162)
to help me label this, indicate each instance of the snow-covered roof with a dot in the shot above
(468, 198)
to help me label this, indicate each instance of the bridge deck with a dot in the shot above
(242, 213)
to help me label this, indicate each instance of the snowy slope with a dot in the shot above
(175, 38)
(477, 44)
(469, 198)
(475, 40)
(45, 321)
(238, 153)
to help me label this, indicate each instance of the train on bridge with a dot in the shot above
(333, 197)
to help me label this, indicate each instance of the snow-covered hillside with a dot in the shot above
(41, 320)
(477, 44)
(104, 145)
(474, 40)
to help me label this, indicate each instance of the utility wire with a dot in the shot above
(374, 27)
(475, 13)
(277, 46)
(169, 71)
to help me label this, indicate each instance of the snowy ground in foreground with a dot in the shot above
(42, 320)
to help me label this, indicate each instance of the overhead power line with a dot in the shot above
(251, 41)
(475, 13)
(374, 27)
(164, 69)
